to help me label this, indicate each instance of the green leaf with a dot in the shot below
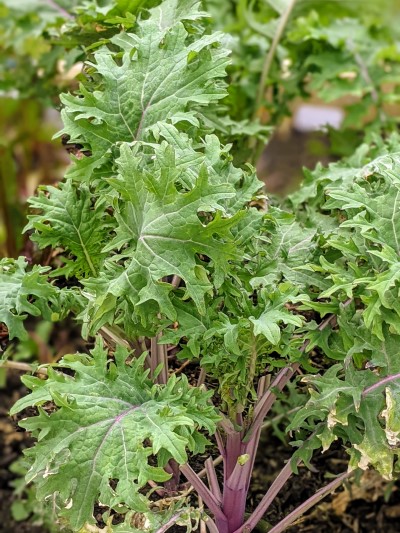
(107, 427)
(164, 234)
(379, 222)
(169, 12)
(64, 217)
(23, 293)
(268, 324)
(216, 157)
(354, 408)
(290, 247)
(272, 311)
(153, 77)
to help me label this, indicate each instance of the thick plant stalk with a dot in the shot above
(233, 450)
(239, 458)
(236, 478)
(234, 503)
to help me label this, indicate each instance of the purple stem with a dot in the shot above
(204, 492)
(220, 444)
(251, 448)
(234, 488)
(236, 484)
(317, 497)
(234, 496)
(212, 528)
(383, 381)
(212, 479)
(267, 401)
(233, 449)
(172, 484)
(264, 504)
(160, 491)
(234, 504)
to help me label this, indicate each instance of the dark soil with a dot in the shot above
(366, 509)
(12, 443)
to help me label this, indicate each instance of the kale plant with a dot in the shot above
(172, 255)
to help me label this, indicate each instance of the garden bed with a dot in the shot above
(362, 510)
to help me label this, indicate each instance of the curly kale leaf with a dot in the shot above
(65, 217)
(369, 240)
(359, 400)
(359, 406)
(162, 232)
(111, 433)
(153, 77)
(24, 293)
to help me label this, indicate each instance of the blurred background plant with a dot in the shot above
(340, 53)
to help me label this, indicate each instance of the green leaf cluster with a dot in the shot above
(360, 263)
(24, 293)
(112, 431)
